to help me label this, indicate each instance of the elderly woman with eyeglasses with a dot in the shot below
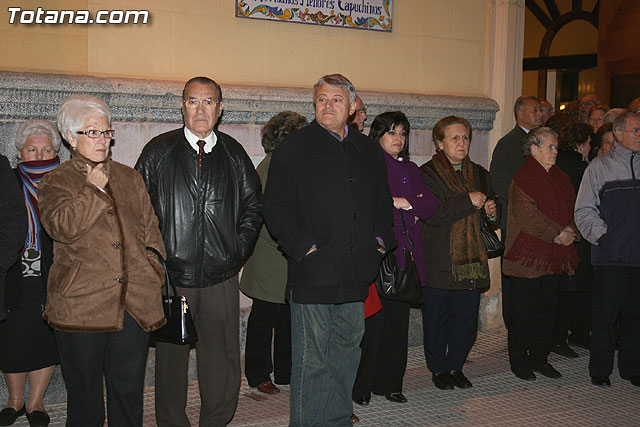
(539, 248)
(104, 286)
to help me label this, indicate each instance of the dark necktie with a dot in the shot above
(200, 153)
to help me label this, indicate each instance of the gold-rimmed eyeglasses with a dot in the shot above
(194, 103)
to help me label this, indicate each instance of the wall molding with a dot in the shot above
(37, 95)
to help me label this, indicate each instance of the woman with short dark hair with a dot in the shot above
(385, 342)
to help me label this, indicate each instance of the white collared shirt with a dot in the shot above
(523, 128)
(192, 139)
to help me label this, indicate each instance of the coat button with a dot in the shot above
(116, 245)
(121, 280)
(110, 212)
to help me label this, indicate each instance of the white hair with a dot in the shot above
(75, 109)
(37, 127)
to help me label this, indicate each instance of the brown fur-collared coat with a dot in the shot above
(100, 266)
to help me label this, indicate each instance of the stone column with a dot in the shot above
(504, 86)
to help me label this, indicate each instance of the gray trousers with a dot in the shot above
(216, 314)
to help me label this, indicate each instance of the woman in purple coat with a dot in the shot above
(384, 346)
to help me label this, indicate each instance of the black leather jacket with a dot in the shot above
(209, 222)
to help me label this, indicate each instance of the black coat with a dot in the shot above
(209, 222)
(13, 224)
(571, 163)
(506, 160)
(436, 230)
(334, 195)
(13, 284)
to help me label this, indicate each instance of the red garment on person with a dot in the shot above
(372, 304)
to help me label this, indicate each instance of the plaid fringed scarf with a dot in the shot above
(468, 254)
(31, 172)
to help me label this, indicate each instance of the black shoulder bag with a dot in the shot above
(492, 243)
(179, 328)
(400, 284)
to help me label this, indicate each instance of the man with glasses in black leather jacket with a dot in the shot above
(208, 199)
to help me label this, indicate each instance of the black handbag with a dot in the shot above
(492, 243)
(180, 328)
(400, 284)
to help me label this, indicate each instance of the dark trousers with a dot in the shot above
(450, 326)
(574, 314)
(384, 350)
(616, 295)
(533, 306)
(268, 321)
(504, 279)
(217, 320)
(85, 357)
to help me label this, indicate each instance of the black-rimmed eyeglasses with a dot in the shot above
(95, 133)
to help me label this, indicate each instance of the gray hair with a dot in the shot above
(75, 109)
(621, 121)
(611, 115)
(336, 80)
(520, 101)
(537, 137)
(37, 127)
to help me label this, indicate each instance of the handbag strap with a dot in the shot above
(167, 282)
(483, 181)
(406, 232)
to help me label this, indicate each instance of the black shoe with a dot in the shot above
(547, 370)
(601, 380)
(460, 381)
(38, 418)
(581, 340)
(396, 397)
(524, 373)
(362, 400)
(635, 380)
(443, 380)
(564, 350)
(9, 416)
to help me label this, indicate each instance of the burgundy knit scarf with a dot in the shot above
(555, 199)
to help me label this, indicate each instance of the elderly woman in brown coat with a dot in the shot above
(538, 250)
(104, 286)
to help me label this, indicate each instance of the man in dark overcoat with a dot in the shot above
(328, 204)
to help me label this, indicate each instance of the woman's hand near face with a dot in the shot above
(401, 203)
(97, 177)
(477, 198)
(490, 207)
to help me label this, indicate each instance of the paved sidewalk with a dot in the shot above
(497, 398)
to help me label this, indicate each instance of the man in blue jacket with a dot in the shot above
(606, 214)
(328, 204)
